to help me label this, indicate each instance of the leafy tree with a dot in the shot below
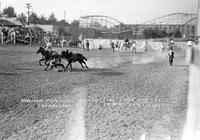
(154, 33)
(63, 22)
(52, 19)
(148, 33)
(22, 18)
(33, 18)
(43, 20)
(9, 11)
(75, 23)
(177, 34)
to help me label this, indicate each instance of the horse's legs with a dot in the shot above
(133, 50)
(40, 61)
(69, 63)
(43, 59)
(71, 66)
(47, 67)
(85, 64)
(56, 65)
(46, 62)
(81, 64)
(66, 66)
(62, 65)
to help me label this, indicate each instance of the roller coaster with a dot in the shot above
(185, 22)
(101, 23)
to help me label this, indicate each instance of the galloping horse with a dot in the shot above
(47, 55)
(73, 57)
(74, 43)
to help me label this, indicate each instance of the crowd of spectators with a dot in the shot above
(22, 35)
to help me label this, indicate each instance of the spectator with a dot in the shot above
(87, 45)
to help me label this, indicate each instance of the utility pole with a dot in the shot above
(64, 15)
(198, 21)
(0, 7)
(28, 6)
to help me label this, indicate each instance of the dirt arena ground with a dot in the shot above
(120, 97)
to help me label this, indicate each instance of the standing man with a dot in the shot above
(146, 45)
(87, 45)
(171, 52)
(171, 56)
(113, 46)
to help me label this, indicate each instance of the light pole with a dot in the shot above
(198, 21)
(0, 7)
(28, 6)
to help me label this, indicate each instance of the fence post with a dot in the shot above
(192, 125)
(14, 34)
(2, 38)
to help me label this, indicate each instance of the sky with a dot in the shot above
(126, 11)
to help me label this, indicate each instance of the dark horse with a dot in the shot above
(53, 57)
(74, 43)
(47, 55)
(73, 57)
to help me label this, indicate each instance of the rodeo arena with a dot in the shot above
(102, 80)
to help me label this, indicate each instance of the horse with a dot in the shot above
(74, 43)
(47, 55)
(73, 57)
(129, 45)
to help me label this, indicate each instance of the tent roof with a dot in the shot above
(10, 21)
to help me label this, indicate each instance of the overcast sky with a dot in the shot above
(126, 11)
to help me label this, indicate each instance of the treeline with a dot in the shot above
(160, 33)
(35, 19)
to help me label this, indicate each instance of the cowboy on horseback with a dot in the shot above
(126, 41)
(48, 47)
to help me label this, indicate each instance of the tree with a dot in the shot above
(43, 20)
(9, 11)
(154, 33)
(75, 23)
(63, 22)
(148, 33)
(33, 18)
(22, 18)
(177, 34)
(52, 19)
